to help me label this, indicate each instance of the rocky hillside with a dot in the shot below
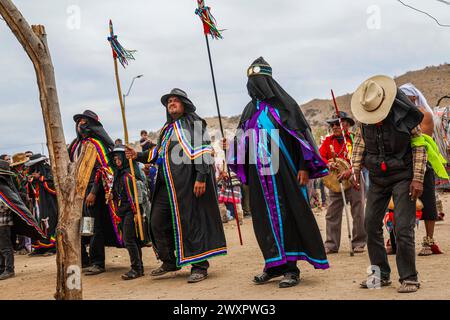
(433, 81)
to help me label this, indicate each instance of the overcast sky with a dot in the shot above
(312, 46)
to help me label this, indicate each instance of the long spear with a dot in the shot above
(210, 28)
(123, 55)
(347, 215)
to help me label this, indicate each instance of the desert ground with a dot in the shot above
(230, 276)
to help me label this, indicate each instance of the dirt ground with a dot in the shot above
(230, 276)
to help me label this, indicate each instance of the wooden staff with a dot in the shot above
(125, 129)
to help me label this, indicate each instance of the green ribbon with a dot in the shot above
(435, 158)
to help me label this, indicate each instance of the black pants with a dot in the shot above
(405, 217)
(6, 250)
(131, 242)
(96, 254)
(289, 267)
(163, 233)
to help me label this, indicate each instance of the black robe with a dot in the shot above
(100, 182)
(24, 222)
(198, 228)
(45, 207)
(272, 144)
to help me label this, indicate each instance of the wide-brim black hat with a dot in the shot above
(120, 148)
(87, 114)
(183, 97)
(35, 159)
(343, 116)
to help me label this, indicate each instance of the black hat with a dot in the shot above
(117, 148)
(259, 67)
(87, 114)
(344, 116)
(5, 168)
(35, 159)
(180, 94)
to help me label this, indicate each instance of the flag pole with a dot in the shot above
(209, 26)
(125, 129)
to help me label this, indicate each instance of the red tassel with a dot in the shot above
(383, 166)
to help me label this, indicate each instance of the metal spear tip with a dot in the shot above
(139, 76)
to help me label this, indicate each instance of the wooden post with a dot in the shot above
(65, 174)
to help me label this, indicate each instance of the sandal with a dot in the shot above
(359, 250)
(374, 282)
(161, 271)
(426, 247)
(289, 280)
(409, 286)
(197, 277)
(264, 278)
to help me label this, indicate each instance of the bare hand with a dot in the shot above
(357, 183)
(225, 144)
(303, 177)
(332, 165)
(109, 197)
(90, 199)
(415, 190)
(199, 188)
(130, 153)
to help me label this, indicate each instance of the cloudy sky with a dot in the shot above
(312, 46)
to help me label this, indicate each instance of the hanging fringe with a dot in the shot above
(209, 22)
(119, 52)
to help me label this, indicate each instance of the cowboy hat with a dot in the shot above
(35, 159)
(86, 114)
(180, 94)
(18, 159)
(343, 116)
(372, 101)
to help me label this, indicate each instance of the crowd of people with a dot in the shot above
(276, 166)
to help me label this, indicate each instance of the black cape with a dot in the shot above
(24, 222)
(283, 221)
(198, 228)
(45, 207)
(98, 183)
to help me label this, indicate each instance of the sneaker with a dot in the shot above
(94, 270)
(6, 275)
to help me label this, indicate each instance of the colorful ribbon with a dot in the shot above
(208, 20)
(119, 52)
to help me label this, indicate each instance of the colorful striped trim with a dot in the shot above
(21, 214)
(40, 245)
(128, 188)
(181, 259)
(190, 151)
(50, 190)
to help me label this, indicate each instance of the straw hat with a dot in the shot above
(18, 159)
(373, 99)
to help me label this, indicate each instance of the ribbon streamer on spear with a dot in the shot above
(124, 55)
(210, 28)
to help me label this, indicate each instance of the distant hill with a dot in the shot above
(434, 82)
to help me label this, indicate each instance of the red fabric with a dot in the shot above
(325, 150)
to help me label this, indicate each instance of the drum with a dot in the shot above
(331, 181)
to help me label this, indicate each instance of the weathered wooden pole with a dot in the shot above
(66, 174)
